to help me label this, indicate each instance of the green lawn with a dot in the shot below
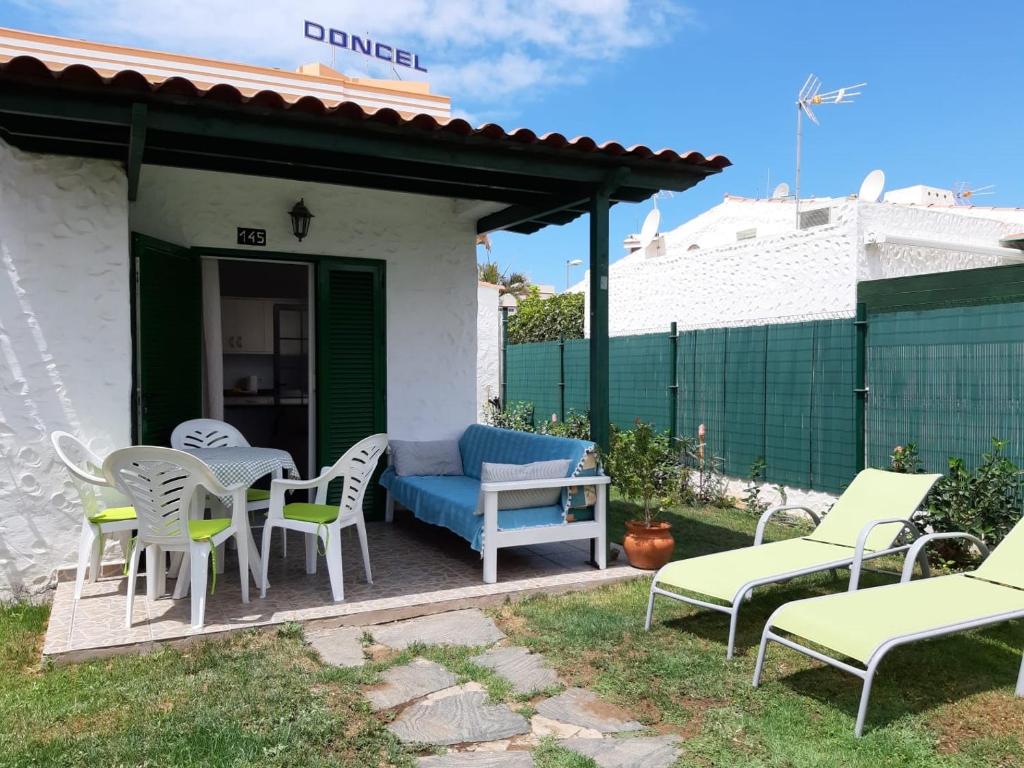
(261, 698)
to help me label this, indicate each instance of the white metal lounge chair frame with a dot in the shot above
(854, 562)
(166, 513)
(356, 466)
(868, 674)
(90, 551)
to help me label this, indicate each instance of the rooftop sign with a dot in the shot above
(364, 45)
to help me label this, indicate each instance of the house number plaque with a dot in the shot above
(250, 236)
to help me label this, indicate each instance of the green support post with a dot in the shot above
(561, 378)
(504, 358)
(673, 387)
(861, 390)
(600, 410)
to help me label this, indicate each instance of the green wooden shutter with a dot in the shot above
(168, 338)
(351, 351)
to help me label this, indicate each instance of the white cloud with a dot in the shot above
(477, 51)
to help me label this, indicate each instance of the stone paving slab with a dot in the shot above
(544, 726)
(586, 709)
(466, 627)
(637, 752)
(339, 647)
(526, 671)
(408, 682)
(457, 719)
(478, 760)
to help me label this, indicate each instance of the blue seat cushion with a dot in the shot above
(451, 501)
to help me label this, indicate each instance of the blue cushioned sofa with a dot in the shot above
(452, 500)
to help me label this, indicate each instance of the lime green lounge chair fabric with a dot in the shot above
(855, 624)
(726, 577)
(874, 494)
(113, 515)
(723, 574)
(865, 625)
(257, 494)
(320, 514)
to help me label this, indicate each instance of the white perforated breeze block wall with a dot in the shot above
(65, 347)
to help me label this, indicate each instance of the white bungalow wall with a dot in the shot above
(65, 345)
(488, 359)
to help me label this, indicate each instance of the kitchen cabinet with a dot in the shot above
(247, 326)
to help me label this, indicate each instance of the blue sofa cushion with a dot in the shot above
(451, 501)
(480, 443)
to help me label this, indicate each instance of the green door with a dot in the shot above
(168, 338)
(351, 351)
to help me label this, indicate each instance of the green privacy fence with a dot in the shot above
(784, 392)
(945, 364)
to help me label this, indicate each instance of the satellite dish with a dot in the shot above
(781, 191)
(650, 228)
(871, 187)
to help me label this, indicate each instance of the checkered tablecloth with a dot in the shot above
(246, 465)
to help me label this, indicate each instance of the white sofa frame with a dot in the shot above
(495, 538)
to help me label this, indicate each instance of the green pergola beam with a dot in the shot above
(520, 214)
(136, 147)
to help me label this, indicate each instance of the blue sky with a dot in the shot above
(943, 101)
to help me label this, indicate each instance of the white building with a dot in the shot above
(744, 262)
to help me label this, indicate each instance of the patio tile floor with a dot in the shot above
(418, 569)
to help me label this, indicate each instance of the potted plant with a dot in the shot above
(647, 471)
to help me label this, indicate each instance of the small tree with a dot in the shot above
(537, 319)
(646, 468)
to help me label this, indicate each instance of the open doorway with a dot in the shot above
(259, 377)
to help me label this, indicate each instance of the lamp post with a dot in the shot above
(569, 264)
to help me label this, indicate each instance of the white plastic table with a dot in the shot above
(241, 466)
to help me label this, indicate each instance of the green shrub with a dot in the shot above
(551, 319)
(985, 502)
(905, 459)
(752, 500)
(575, 425)
(646, 467)
(517, 416)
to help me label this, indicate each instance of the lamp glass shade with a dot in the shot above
(300, 219)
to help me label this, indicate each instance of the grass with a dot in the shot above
(263, 698)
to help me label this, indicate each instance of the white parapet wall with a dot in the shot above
(65, 347)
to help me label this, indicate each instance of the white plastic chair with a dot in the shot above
(322, 521)
(106, 512)
(165, 485)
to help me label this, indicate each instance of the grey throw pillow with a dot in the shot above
(538, 470)
(426, 457)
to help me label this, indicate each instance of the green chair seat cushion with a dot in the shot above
(257, 494)
(113, 515)
(320, 514)
(202, 530)
(855, 624)
(721, 575)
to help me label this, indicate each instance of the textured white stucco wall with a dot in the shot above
(488, 349)
(431, 271)
(65, 348)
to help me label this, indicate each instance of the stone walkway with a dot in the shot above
(430, 708)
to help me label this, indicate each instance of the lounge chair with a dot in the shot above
(866, 625)
(865, 523)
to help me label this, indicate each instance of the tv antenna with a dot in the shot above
(781, 191)
(811, 95)
(964, 194)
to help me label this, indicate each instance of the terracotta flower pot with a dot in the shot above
(648, 547)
